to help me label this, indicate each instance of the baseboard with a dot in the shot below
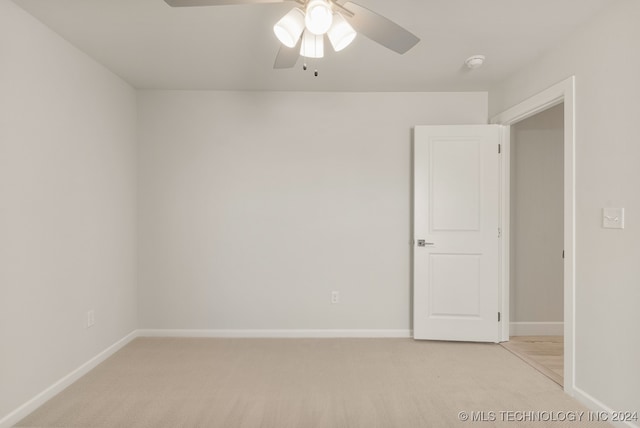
(31, 405)
(292, 334)
(597, 406)
(536, 329)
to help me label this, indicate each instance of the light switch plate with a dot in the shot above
(613, 218)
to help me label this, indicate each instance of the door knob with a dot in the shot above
(424, 243)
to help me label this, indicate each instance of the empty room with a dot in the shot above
(319, 213)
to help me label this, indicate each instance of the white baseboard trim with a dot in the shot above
(597, 406)
(536, 329)
(292, 334)
(23, 411)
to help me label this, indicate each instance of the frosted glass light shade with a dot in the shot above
(341, 34)
(312, 45)
(319, 16)
(290, 27)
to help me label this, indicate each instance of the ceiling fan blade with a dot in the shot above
(380, 29)
(187, 3)
(287, 57)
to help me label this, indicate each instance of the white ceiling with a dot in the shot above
(152, 45)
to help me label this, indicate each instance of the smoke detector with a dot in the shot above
(475, 61)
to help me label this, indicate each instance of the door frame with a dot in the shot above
(562, 92)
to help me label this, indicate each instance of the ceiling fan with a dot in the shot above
(302, 30)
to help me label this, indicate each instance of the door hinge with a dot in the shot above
(499, 148)
(499, 233)
(563, 254)
(499, 316)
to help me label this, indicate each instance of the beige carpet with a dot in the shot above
(304, 383)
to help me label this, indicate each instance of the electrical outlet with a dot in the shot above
(91, 318)
(335, 297)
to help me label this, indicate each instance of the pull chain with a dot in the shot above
(305, 67)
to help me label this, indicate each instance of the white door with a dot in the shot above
(456, 254)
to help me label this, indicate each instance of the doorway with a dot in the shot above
(536, 262)
(561, 93)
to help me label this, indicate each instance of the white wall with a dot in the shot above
(602, 56)
(537, 151)
(255, 206)
(67, 207)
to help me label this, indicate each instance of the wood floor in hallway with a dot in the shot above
(544, 353)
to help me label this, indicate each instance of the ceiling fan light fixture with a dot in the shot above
(289, 29)
(341, 34)
(319, 16)
(312, 45)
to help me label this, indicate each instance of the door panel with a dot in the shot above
(455, 196)
(456, 227)
(455, 285)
